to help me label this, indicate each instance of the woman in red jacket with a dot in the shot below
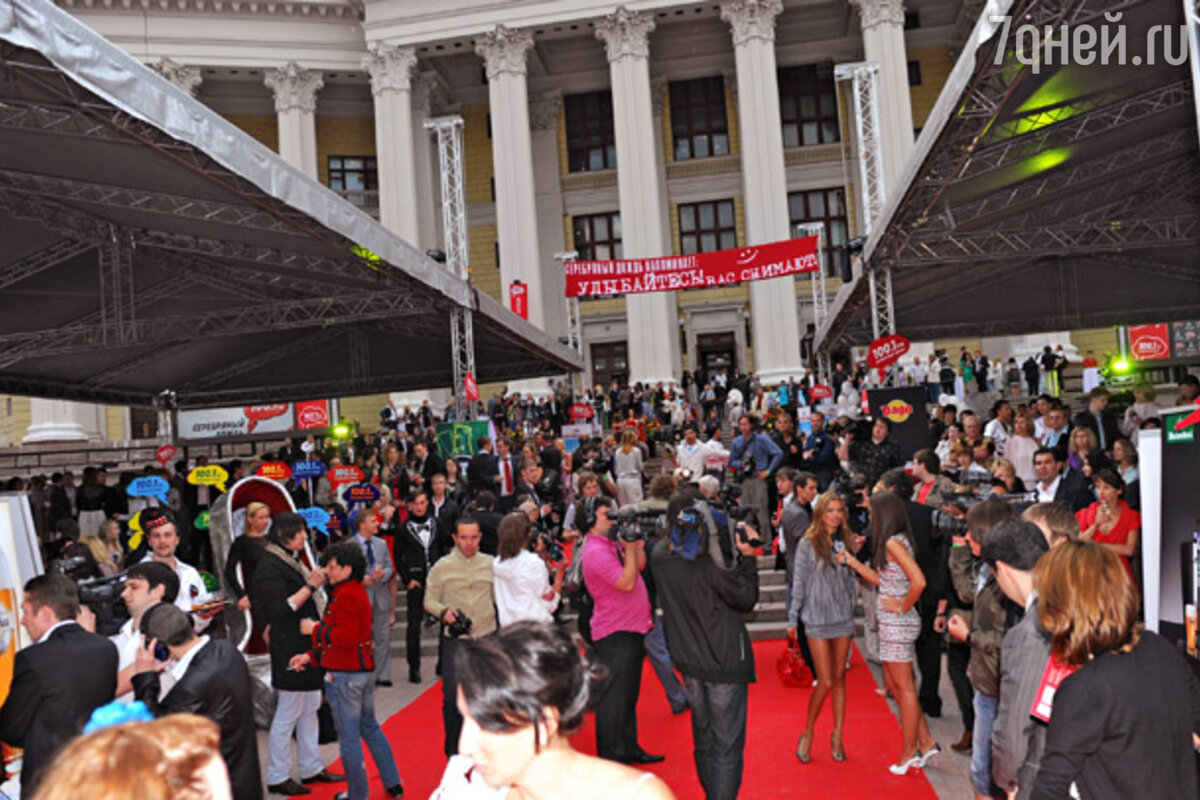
(342, 647)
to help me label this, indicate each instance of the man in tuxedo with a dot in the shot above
(211, 680)
(365, 523)
(1054, 485)
(420, 543)
(482, 468)
(58, 681)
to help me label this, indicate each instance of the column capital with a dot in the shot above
(752, 19)
(873, 13)
(390, 67)
(626, 34)
(184, 77)
(503, 51)
(544, 110)
(294, 87)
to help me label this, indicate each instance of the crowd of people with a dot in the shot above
(1003, 546)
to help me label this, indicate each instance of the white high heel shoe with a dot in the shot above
(913, 763)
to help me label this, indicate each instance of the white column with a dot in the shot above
(544, 113)
(653, 330)
(391, 69)
(59, 421)
(764, 184)
(883, 43)
(424, 89)
(186, 78)
(503, 51)
(295, 91)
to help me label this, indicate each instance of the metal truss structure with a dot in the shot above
(449, 133)
(139, 269)
(1087, 188)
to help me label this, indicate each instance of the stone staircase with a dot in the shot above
(768, 620)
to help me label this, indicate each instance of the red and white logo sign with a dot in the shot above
(580, 411)
(518, 299)
(820, 391)
(887, 351)
(1149, 342)
(255, 413)
(164, 454)
(274, 470)
(345, 474)
(470, 387)
(312, 414)
(897, 410)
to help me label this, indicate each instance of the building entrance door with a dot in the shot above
(717, 352)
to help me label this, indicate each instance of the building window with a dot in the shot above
(597, 236)
(808, 105)
(355, 178)
(827, 206)
(591, 144)
(699, 128)
(610, 362)
(705, 227)
(912, 19)
(914, 73)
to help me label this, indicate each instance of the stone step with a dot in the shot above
(768, 612)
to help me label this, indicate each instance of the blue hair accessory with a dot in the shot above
(116, 713)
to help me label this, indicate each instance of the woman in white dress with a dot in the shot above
(627, 462)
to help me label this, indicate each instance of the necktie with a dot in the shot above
(508, 484)
(370, 555)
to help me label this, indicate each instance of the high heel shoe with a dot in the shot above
(804, 754)
(838, 755)
(913, 763)
(930, 755)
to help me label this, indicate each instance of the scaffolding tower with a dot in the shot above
(449, 133)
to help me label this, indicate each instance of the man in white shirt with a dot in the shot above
(691, 452)
(1048, 475)
(1056, 427)
(146, 585)
(159, 527)
(1000, 426)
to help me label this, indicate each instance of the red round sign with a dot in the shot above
(820, 391)
(887, 350)
(340, 475)
(275, 470)
(165, 454)
(581, 411)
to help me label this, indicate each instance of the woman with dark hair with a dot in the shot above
(823, 599)
(520, 577)
(1110, 521)
(1124, 722)
(523, 693)
(894, 570)
(286, 590)
(341, 644)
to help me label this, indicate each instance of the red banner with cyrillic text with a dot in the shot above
(670, 273)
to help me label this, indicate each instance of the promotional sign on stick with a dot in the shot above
(210, 475)
(820, 391)
(308, 469)
(361, 493)
(315, 518)
(149, 486)
(164, 454)
(346, 474)
(274, 470)
(886, 351)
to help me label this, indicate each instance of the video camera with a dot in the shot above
(633, 525)
(543, 534)
(955, 523)
(101, 595)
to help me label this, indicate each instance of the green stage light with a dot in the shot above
(341, 431)
(1121, 366)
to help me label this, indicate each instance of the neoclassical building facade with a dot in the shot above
(648, 128)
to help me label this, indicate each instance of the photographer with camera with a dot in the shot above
(752, 459)
(521, 573)
(459, 594)
(612, 569)
(703, 598)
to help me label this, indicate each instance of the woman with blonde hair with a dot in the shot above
(627, 462)
(1020, 447)
(105, 547)
(247, 550)
(1124, 721)
(173, 758)
(823, 599)
(1083, 443)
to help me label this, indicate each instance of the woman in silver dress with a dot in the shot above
(627, 462)
(894, 570)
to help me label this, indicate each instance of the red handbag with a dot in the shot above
(790, 665)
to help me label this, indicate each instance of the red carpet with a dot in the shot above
(872, 741)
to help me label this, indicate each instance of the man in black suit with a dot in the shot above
(483, 509)
(932, 557)
(420, 543)
(58, 681)
(483, 468)
(211, 680)
(1099, 420)
(1057, 484)
(508, 474)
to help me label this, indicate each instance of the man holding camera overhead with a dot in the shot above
(753, 457)
(459, 594)
(612, 572)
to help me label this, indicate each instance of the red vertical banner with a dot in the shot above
(470, 387)
(518, 299)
